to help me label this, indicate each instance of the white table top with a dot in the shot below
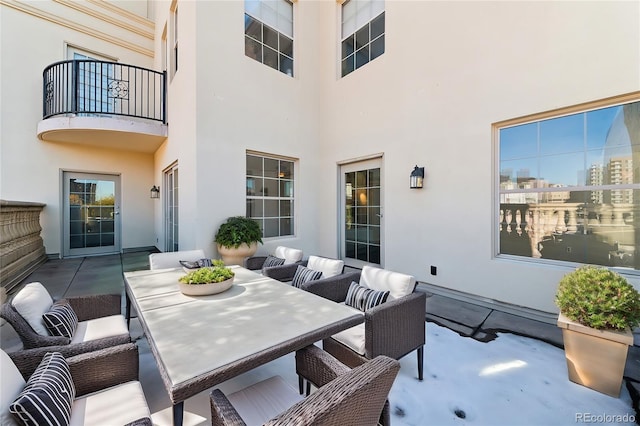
(193, 336)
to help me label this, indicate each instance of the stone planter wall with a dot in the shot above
(21, 246)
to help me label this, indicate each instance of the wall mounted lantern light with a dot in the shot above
(417, 177)
(155, 192)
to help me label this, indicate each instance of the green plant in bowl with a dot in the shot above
(598, 298)
(209, 274)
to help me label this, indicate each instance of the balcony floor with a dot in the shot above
(463, 339)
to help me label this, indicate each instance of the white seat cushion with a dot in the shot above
(395, 283)
(32, 302)
(172, 259)
(264, 400)
(352, 338)
(11, 385)
(100, 328)
(117, 405)
(329, 267)
(290, 255)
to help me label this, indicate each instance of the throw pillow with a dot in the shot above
(200, 263)
(61, 319)
(363, 298)
(272, 261)
(303, 275)
(47, 398)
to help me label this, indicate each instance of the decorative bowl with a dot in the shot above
(205, 289)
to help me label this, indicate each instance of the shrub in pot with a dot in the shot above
(238, 238)
(598, 310)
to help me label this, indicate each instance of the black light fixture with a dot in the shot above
(417, 177)
(155, 192)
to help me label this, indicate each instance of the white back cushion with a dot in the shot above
(11, 385)
(117, 405)
(171, 259)
(290, 255)
(32, 302)
(396, 283)
(329, 267)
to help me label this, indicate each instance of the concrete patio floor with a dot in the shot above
(103, 274)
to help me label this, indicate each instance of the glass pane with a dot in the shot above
(253, 49)
(361, 252)
(374, 197)
(107, 240)
(350, 232)
(374, 234)
(286, 65)
(361, 179)
(254, 208)
(348, 46)
(270, 188)
(350, 249)
(255, 186)
(374, 254)
(348, 65)
(76, 227)
(599, 123)
(519, 141)
(271, 58)
(362, 57)
(377, 26)
(92, 240)
(361, 197)
(362, 215)
(374, 177)
(562, 170)
(362, 37)
(518, 174)
(271, 228)
(106, 226)
(286, 169)
(271, 167)
(362, 234)
(76, 241)
(286, 226)
(270, 37)
(285, 208)
(561, 135)
(252, 28)
(374, 215)
(286, 46)
(286, 188)
(377, 47)
(271, 208)
(254, 165)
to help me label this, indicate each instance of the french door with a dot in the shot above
(171, 229)
(91, 214)
(361, 213)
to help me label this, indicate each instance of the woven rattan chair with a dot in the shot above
(87, 308)
(347, 397)
(394, 328)
(292, 257)
(105, 381)
(172, 259)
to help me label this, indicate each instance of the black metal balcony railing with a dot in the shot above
(89, 87)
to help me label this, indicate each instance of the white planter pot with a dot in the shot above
(205, 289)
(236, 256)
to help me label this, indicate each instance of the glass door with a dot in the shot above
(171, 209)
(91, 214)
(361, 213)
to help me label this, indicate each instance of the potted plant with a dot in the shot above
(207, 280)
(598, 310)
(238, 238)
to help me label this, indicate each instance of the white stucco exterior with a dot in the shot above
(449, 71)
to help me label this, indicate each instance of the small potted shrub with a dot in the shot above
(238, 238)
(207, 280)
(598, 310)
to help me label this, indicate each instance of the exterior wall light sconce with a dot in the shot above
(417, 178)
(155, 192)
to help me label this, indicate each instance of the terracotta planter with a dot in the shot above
(205, 289)
(236, 256)
(595, 358)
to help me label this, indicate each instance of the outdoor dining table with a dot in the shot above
(201, 341)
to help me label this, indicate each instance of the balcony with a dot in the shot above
(105, 104)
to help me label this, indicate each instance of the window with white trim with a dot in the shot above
(268, 33)
(270, 195)
(569, 185)
(362, 33)
(174, 39)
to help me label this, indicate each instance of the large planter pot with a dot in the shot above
(595, 358)
(236, 256)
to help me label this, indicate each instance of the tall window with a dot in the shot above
(174, 40)
(270, 196)
(362, 33)
(570, 187)
(94, 79)
(268, 33)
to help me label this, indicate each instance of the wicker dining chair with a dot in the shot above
(107, 390)
(100, 322)
(171, 259)
(286, 260)
(353, 397)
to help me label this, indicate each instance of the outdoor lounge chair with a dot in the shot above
(171, 259)
(353, 397)
(99, 321)
(286, 261)
(107, 390)
(393, 328)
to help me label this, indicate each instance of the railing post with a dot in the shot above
(76, 87)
